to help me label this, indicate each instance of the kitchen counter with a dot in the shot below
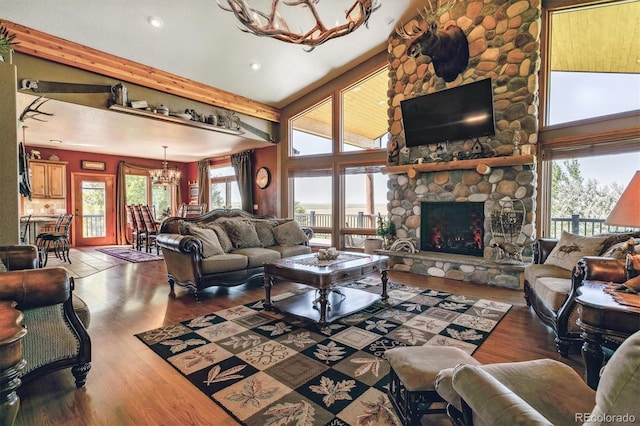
(37, 223)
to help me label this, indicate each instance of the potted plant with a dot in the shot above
(6, 43)
(387, 230)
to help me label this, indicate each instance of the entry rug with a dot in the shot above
(129, 254)
(267, 368)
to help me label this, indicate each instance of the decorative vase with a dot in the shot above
(372, 244)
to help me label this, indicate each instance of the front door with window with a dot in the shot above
(94, 209)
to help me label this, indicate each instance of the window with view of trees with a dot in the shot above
(224, 188)
(585, 167)
(140, 190)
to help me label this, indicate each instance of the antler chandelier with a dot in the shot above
(273, 24)
(165, 176)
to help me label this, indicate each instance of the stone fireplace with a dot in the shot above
(504, 45)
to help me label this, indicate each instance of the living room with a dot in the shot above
(131, 298)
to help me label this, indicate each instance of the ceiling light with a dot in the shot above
(256, 66)
(165, 176)
(55, 141)
(155, 21)
(271, 22)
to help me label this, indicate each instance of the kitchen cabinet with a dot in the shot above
(48, 178)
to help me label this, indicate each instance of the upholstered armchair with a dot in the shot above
(56, 321)
(543, 392)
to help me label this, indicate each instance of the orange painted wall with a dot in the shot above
(74, 161)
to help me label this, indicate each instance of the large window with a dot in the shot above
(224, 188)
(594, 69)
(311, 131)
(312, 201)
(593, 81)
(365, 196)
(334, 180)
(364, 113)
(140, 190)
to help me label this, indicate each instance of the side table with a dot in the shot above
(11, 361)
(601, 316)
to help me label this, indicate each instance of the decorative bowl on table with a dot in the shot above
(326, 255)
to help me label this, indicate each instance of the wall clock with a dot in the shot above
(263, 177)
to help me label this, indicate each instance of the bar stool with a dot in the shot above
(59, 239)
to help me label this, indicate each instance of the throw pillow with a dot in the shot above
(223, 238)
(571, 248)
(263, 229)
(633, 265)
(2, 267)
(210, 244)
(619, 251)
(242, 233)
(289, 234)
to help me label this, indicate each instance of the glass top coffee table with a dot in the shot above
(331, 301)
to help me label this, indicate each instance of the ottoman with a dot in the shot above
(412, 377)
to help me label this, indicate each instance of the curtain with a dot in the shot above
(204, 184)
(241, 163)
(121, 197)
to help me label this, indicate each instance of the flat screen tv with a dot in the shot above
(463, 112)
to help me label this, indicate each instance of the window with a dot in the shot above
(590, 149)
(312, 201)
(334, 181)
(311, 132)
(364, 113)
(140, 190)
(365, 196)
(224, 188)
(586, 81)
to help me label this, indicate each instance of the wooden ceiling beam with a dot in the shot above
(35, 43)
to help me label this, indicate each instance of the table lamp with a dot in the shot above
(626, 212)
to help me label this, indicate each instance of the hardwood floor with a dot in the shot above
(130, 385)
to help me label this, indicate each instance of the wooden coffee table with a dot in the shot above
(331, 301)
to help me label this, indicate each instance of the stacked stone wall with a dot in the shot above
(504, 45)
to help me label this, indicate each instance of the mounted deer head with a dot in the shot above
(447, 47)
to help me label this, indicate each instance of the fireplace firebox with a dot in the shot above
(452, 227)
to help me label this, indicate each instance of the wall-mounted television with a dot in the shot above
(463, 112)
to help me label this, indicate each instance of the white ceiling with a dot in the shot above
(201, 42)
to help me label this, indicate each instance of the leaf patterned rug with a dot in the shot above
(268, 368)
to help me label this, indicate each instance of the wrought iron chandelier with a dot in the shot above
(165, 176)
(273, 24)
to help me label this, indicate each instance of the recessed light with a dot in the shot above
(256, 66)
(155, 21)
(55, 141)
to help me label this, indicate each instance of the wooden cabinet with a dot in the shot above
(48, 178)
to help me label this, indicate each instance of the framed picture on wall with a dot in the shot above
(93, 165)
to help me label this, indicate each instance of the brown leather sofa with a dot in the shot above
(56, 321)
(236, 260)
(551, 291)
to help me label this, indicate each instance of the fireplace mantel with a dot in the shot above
(412, 170)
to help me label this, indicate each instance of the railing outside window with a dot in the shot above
(581, 226)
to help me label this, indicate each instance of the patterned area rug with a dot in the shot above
(129, 254)
(266, 368)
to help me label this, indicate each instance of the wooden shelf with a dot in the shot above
(413, 169)
(177, 120)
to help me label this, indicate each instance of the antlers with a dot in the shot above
(429, 15)
(274, 25)
(25, 113)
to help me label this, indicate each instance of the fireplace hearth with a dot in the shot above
(452, 227)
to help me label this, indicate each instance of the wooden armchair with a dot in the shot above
(56, 321)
